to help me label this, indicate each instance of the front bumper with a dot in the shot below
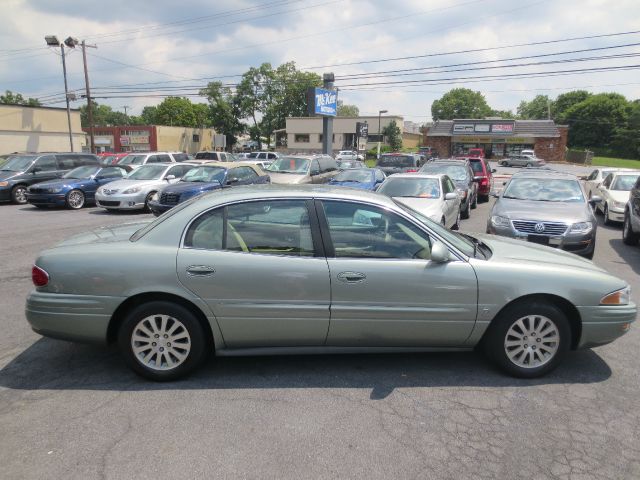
(5, 194)
(134, 201)
(580, 244)
(83, 318)
(604, 323)
(616, 214)
(51, 199)
(159, 208)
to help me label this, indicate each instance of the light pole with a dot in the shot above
(52, 41)
(379, 115)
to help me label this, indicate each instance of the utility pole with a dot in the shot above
(125, 109)
(66, 96)
(327, 122)
(88, 90)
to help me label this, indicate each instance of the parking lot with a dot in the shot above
(75, 411)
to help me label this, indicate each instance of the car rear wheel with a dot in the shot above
(529, 165)
(475, 201)
(504, 163)
(467, 211)
(528, 339)
(162, 341)
(456, 226)
(75, 199)
(606, 215)
(19, 194)
(629, 237)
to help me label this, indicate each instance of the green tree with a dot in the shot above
(223, 112)
(626, 138)
(460, 103)
(176, 111)
(536, 109)
(502, 114)
(594, 121)
(393, 135)
(10, 98)
(103, 115)
(347, 110)
(148, 115)
(567, 100)
(253, 96)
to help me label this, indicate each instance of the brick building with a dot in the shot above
(498, 137)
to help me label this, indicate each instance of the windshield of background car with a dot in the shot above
(19, 163)
(477, 166)
(457, 240)
(289, 165)
(205, 175)
(133, 160)
(411, 187)
(82, 172)
(624, 182)
(544, 190)
(395, 161)
(455, 172)
(360, 176)
(148, 172)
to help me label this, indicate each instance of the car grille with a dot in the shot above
(550, 228)
(169, 199)
(37, 190)
(107, 191)
(107, 203)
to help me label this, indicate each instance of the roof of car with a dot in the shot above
(543, 172)
(232, 165)
(417, 175)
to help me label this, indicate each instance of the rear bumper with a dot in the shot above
(604, 323)
(82, 318)
(56, 200)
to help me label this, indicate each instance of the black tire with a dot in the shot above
(605, 213)
(629, 237)
(467, 211)
(529, 165)
(504, 164)
(198, 349)
(456, 226)
(496, 337)
(483, 198)
(19, 194)
(75, 199)
(474, 205)
(147, 208)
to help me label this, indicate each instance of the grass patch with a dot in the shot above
(370, 163)
(615, 162)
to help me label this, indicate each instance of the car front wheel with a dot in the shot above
(528, 339)
(162, 341)
(605, 213)
(19, 194)
(629, 237)
(75, 199)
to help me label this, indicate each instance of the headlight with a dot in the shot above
(498, 221)
(581, 227)
(4, 184)
(619, 297)
(619, 204)
(155, 197)
(54, 190)
(462, 193)
(132, 190)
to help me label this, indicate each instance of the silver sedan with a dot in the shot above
(316, 269)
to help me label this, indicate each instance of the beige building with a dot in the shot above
(146, 138)
(304, 134)
(38, 129)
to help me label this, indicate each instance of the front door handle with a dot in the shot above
(200, 270)
(351, 277)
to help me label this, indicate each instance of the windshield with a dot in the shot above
(148, 172)
(624, 182)
(359, 176)
(411, 187)
(81, 172)
(396, 161)
(289, 165)
(133, 160)
(455, 239)
(19, 163)
(205, 175)
(455, 172)
(544, 190)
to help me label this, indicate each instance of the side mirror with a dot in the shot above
(440, 253)
(450, 196)
(493, 170)
(170, 177)
(233, 180)
(35, 170)
(495, 194)
(595, 199)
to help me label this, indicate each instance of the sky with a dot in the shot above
(178, 46)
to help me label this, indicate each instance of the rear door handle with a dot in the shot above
(352, 277)
(200, 270)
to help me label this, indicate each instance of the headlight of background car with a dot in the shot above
(619, 297)
(155, 197)
(4, 184)
(132, 190)
(498, 221)
(581, 227)
(618, 204)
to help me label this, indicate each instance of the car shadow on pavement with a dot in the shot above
(629, 254)
(56, 365)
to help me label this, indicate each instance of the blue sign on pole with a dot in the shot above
(326, 102)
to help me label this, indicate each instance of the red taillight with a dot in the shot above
(412, 170)
(39, 276)
(484, 181)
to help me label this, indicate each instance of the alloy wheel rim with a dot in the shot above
(75, 199)
(160, 342)
(21, 195)
(532, 341)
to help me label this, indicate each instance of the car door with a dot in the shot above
(634, 205)
(591, 182)
(603, 191)
(385, 291)
(43, 169)
(314, 171)
(452, 206)
(261, 271)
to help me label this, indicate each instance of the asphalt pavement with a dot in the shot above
(76, 412)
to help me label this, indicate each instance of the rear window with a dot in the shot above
(206, 156)
(477, 166)
(396, 161)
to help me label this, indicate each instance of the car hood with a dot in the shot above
(126, 183)
(64, 182)
(288, 178)
(619, 195)
(429, 207)
(569, 212)
(510, 250)
(192, 187)
(108, 234)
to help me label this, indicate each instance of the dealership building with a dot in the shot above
(498, 137)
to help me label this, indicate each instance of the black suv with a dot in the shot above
(461, 172)
(22, 170)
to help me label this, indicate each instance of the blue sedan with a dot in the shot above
(210, 176)
(363, 178)
(74, 189)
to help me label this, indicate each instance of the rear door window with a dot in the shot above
(164, 158)
(47, 164)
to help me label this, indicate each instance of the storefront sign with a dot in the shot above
(480, 139)
(362, 130)
(482, 127)
(463, 128)
(502, 127)
(139, 139)
(326, 102)
(102, 140)
(124, 140)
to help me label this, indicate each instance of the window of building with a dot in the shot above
(301, 138)
(374, 138)
(195, 138)
(515, 148)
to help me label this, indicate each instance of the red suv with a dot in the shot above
(483, 174)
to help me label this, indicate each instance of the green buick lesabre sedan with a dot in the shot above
(274, 269)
